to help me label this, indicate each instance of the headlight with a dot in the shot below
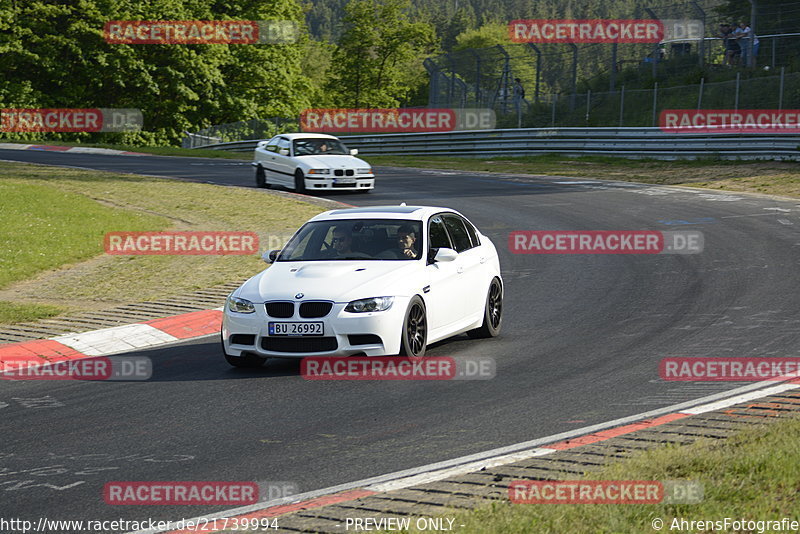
(374, 304)
(363, 171)
(319, 171)
(235, 304)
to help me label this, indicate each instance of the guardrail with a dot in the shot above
(624, 142)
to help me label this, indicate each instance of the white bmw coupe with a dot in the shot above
(308, 162)
(367, 281)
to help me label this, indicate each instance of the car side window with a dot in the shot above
(283, 143)
(473, 233)
(458, 233)
(438, 234)
(272, 145)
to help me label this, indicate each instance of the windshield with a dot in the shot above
(362, 239)
(314, 146)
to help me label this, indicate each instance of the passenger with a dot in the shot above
(406, 242)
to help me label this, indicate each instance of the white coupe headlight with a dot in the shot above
(235, 304)
(319, 171)
(373, 304)
(363, 171)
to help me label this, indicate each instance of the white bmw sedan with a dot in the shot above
(367, 281)
(311, 162)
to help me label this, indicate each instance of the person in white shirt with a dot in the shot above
(744, 34)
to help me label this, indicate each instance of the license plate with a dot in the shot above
(296, 329)
(348, 181)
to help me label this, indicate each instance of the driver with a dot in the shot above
(342, 242)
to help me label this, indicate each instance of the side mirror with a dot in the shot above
(270, 255)
(354, 152)
(261, 144)
(283, 151)
(445, 254)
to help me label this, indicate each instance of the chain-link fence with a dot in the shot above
(642, 107)
(240, 131)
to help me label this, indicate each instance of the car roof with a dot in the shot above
(291, 136)
(417, 213)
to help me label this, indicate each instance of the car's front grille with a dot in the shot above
(299, 344)
(314, 309)
(351, 184)
(364, 339)
(243, 339)
(281, 310)
(338, 172)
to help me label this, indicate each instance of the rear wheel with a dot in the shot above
(261, 177)
(492, 313)
(299, 182)
(414, 337)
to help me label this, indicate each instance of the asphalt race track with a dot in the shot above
(582, 339)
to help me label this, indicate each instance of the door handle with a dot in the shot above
(460, 270)
(483, 260)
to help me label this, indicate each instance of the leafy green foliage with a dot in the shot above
(379, 54)
(53, 54)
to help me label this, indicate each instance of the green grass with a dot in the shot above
(155, 150)
(752, 475)
(52, 223)
(11, 313)
(43, 228)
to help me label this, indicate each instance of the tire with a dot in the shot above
(414, 337)
(492, 313)
(261, 177)
(246, 360)
(299, 182)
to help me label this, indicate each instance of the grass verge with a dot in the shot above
(52, 223)
(155, 150)
(753, 475)
(770, 177)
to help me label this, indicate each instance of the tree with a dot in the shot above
(52, 54)
(378, 58)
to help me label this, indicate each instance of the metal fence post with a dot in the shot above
(655, 102)
(700, 93)
(780, 92)
(588, 102)
(553, 111)
(736, 98)
(621, 105)
(613, 79)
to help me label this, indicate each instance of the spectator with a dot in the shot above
(748, 42)
(732, 49)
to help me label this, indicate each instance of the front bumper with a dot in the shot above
(359, 182)
(344, 333)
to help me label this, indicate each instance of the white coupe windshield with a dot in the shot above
(361, 239)
(316, 146)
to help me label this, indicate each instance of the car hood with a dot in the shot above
(338, 280)
(333, 162)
